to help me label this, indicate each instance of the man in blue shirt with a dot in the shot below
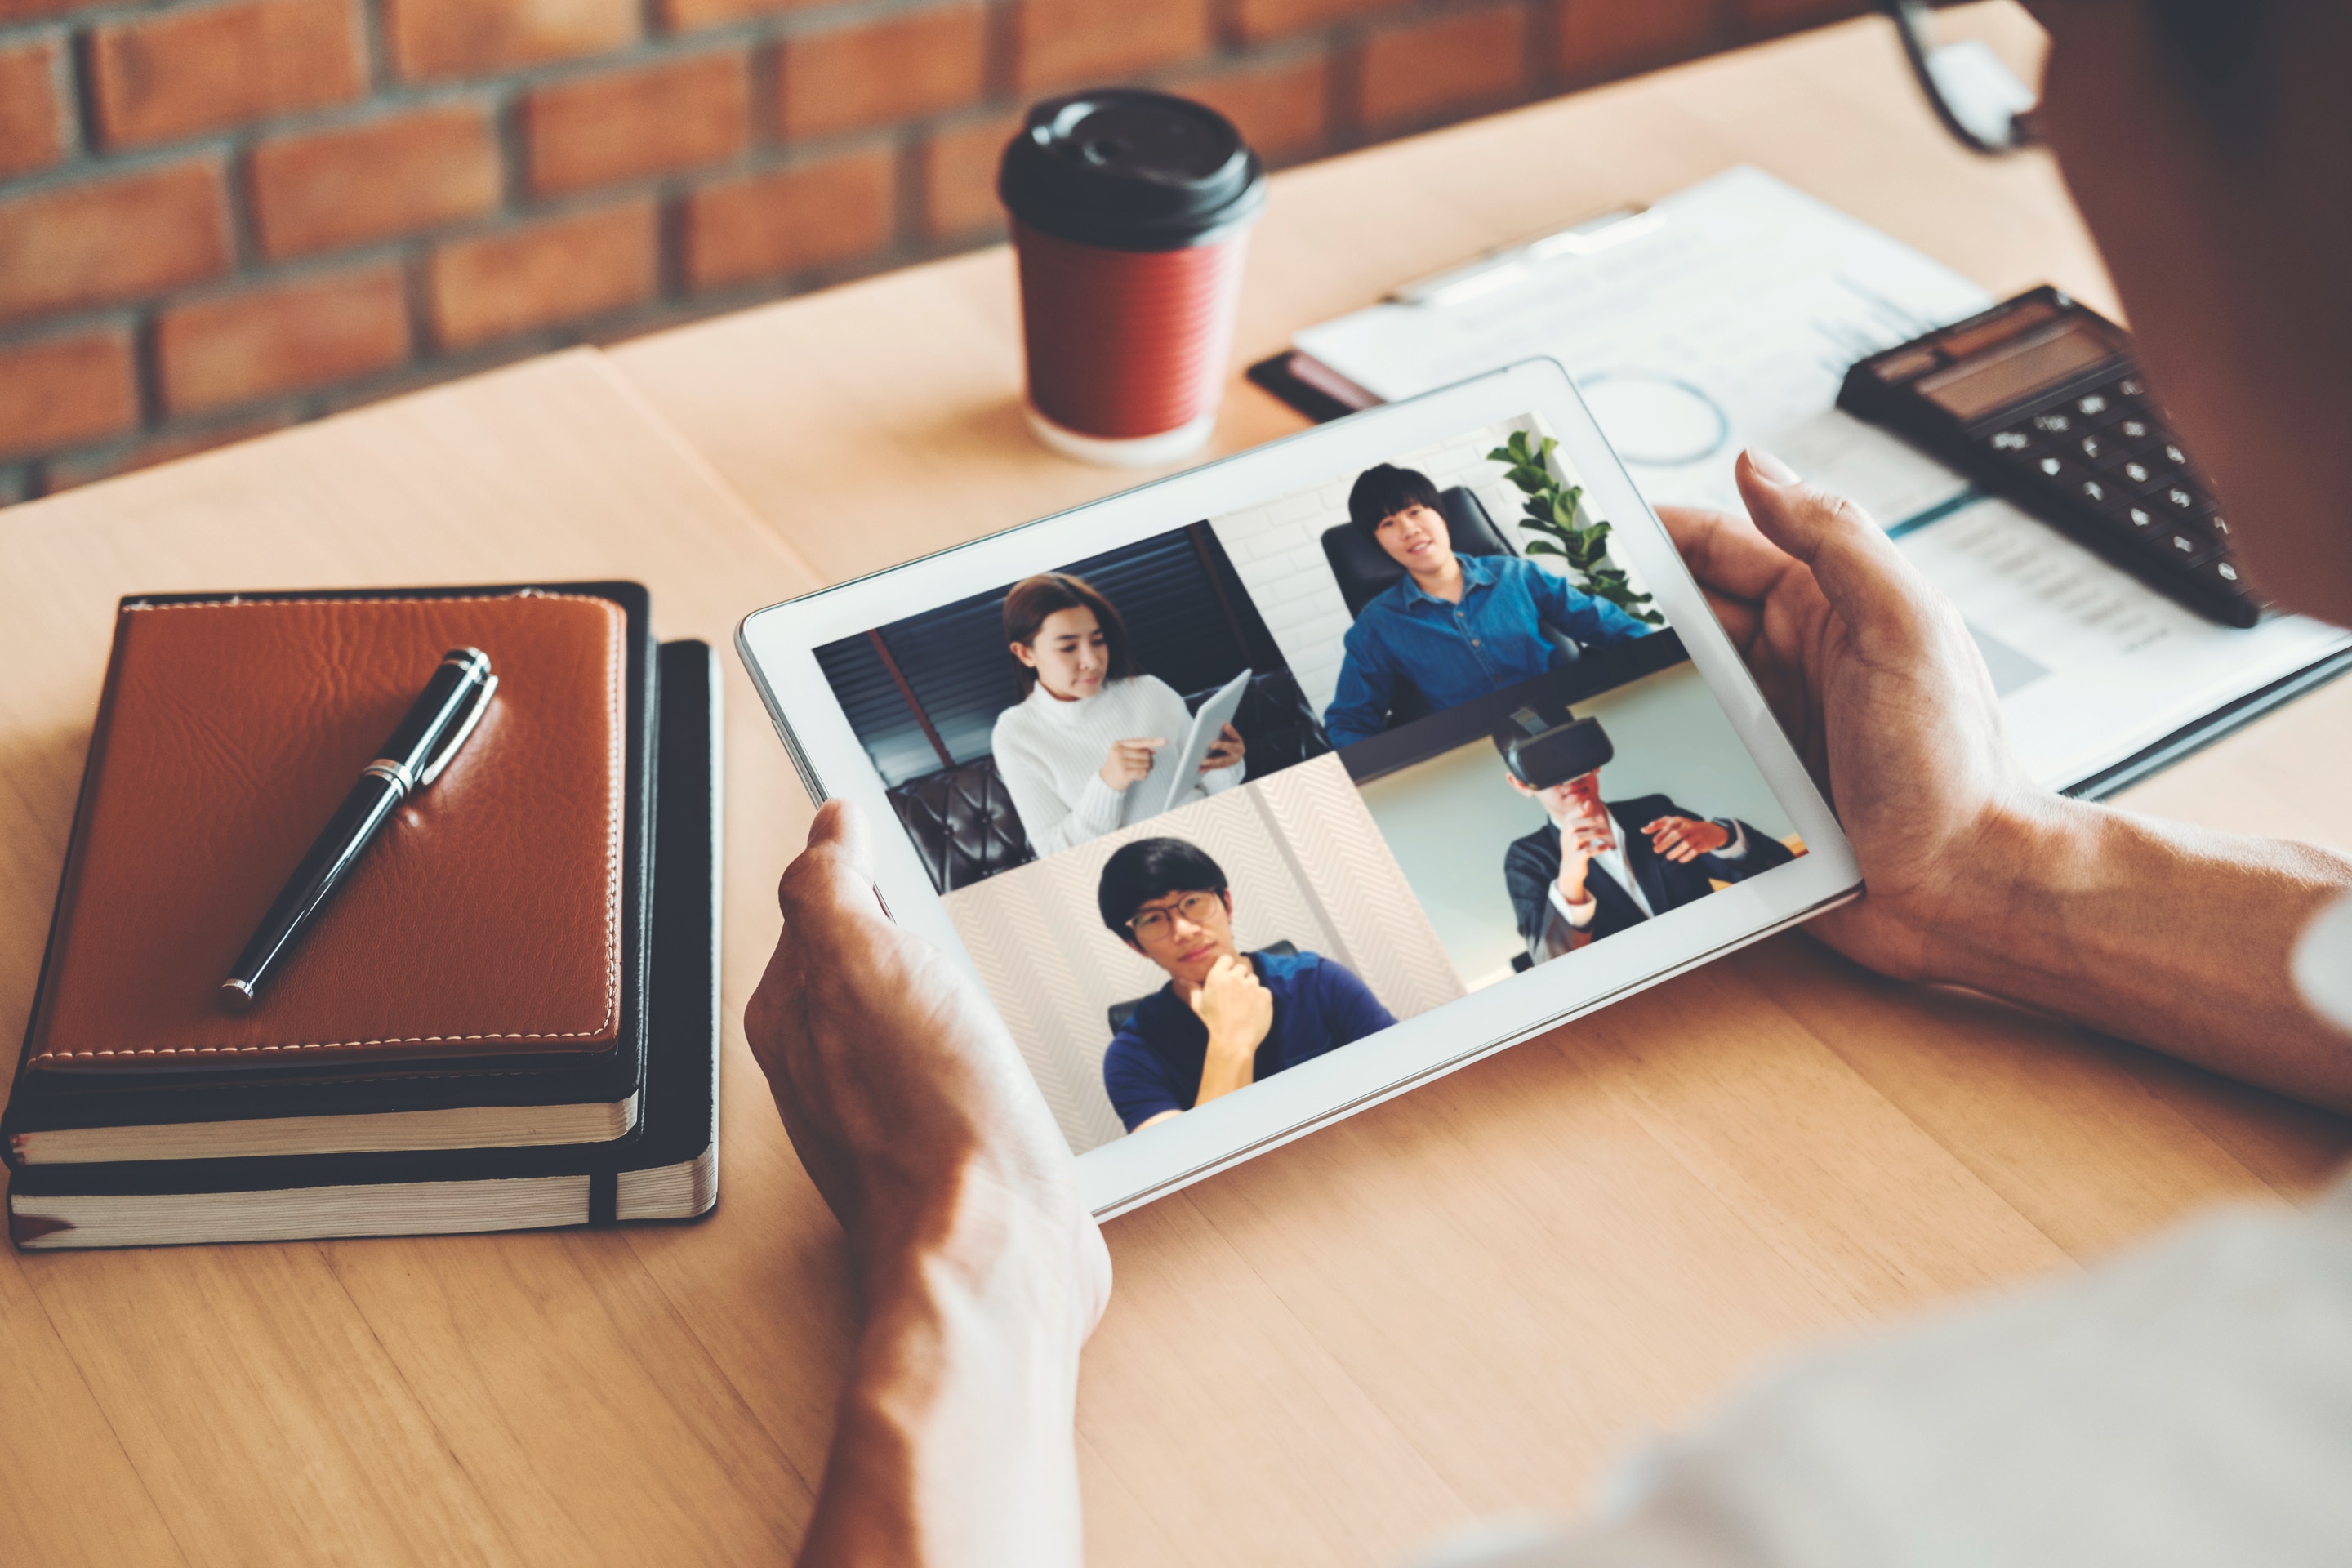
(1224, 1019)
(1458, 627)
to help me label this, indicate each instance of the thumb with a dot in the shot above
(835, 872)
(840, 830)
(838, 863)
(1865, 579)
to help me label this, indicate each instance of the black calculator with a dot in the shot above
(2038, 400)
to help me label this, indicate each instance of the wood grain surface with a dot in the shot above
(1466, 1300)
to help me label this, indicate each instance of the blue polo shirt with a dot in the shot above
(1492, 639)
(1154, 1062)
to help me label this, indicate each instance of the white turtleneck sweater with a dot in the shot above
(1051, 753)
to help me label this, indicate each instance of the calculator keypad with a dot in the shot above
(2106, 454)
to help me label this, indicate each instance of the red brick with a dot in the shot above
(960, 177)
(32, 118)
(1596, 37)
(113, 239)
(387, 177)
(774, 225)
(684, 15)
(1279, 108)
(66, 473)
(1263, 19)
(626, 124)
(26, 10)
(560, 270)
(163, 77)
(431, 39)
(1415, 70)
(216, 352)
(59, 390)
(1064, 43)
(1780, 16)
(849, 77)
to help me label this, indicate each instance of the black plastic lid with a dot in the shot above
(1129, 170)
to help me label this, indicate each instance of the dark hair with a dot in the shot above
(1152, 869)
(1386, 490)
(1032, 599)
(2218, 51)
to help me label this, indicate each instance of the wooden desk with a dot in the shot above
(1469, 1299)
(1463, 1300)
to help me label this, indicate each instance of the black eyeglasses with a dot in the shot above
(1977, 97)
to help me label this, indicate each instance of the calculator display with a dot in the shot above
(2017, 371)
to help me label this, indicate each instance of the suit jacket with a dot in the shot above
(1531, 865)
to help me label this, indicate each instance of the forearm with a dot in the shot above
(1225, 1069)
(954, 1442)
(2172, 936)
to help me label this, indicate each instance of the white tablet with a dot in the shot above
(1485, 786)
(1181, 762)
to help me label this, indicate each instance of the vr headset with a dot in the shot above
(1541, 753)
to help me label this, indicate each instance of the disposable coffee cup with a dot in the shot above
(1131, 214)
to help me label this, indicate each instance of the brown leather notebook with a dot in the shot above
(485, 920)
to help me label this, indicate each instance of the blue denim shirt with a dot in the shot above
(1492, 639)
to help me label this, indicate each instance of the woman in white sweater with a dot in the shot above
(1072, 750)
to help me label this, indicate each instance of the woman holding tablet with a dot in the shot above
(1087, 729)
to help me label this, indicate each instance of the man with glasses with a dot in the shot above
(1226, 1018)
(2190, 1403)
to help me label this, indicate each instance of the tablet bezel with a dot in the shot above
(778, 648)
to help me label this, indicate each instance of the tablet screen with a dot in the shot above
(1468, 746)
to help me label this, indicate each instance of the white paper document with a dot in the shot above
(1727, 318)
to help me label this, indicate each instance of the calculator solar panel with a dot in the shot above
(2039, 399)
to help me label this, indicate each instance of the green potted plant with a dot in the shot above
(1551, 512)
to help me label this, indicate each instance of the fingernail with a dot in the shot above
(1771, 467)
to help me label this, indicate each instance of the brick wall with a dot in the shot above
(222, 216)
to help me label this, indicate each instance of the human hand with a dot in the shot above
(1238, 1010)
(1684, 840)
(903, 1095)
(1130, 761)
(981, 1273)
(1224, 750)
(1581, 837)
(1883, 693)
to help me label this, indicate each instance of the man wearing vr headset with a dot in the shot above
(1603, 867)
(2189, 1404)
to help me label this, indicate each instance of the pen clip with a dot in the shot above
(456, 737)
(1506, 265)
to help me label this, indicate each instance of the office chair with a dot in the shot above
(1364, 570)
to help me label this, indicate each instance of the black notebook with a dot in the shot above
(669, 1170)
(306, 1108)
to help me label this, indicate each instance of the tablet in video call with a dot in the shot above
(1472, 784)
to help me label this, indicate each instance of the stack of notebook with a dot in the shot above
(506, 1017)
